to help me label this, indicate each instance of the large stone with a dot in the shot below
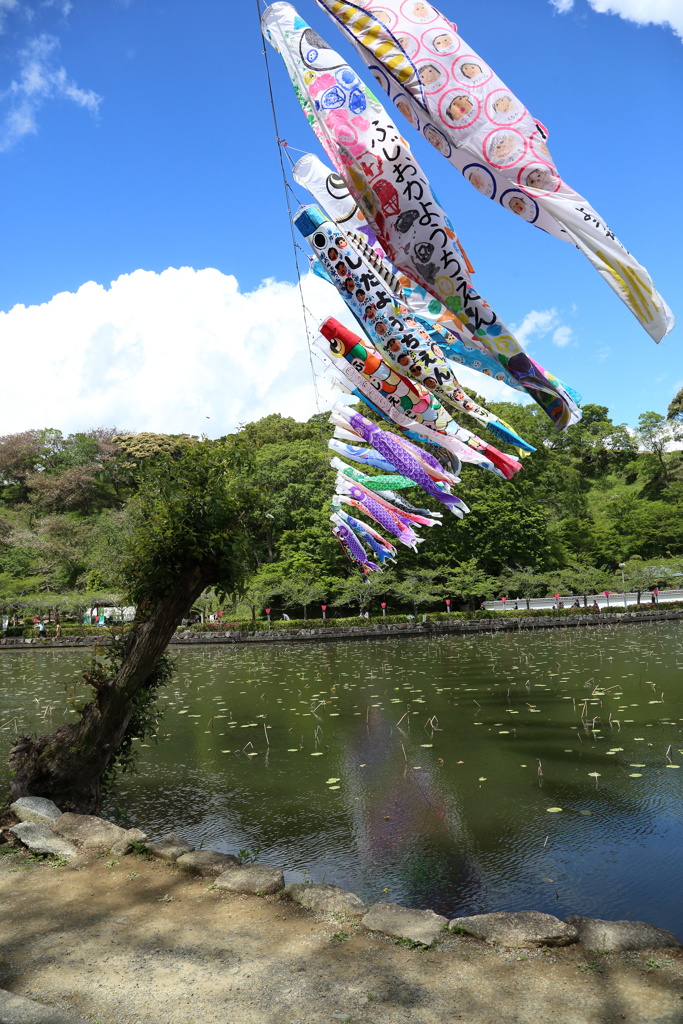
(523, 929)
(615, 936)
(256, 879)
(41, 839)
(35, 808)
(207, 863)
(125, 844)
(423, 926)
(170, 847)
(326, 899)
(89, 832)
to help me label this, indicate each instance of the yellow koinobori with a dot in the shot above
(456, 101)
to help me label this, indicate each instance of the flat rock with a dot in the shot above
(170, 847)
(422, 926)
(41, 839)
(616, 936)
(524, 929)
(326, 899)
(124, 845)
(207, 863)
(35, 808)
(89, 832)
(257, 879)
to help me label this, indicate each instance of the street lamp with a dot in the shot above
(622, 566)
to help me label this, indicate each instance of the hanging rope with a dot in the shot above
(283, 147)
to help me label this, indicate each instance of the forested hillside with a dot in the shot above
(585, 502)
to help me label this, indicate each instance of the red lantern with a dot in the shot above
(448, 600)
(503, 599)
(557, 597)
(383, 604)
(606, 593)
(324, 607)
(267, 611)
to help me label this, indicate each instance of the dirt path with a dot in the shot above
(138, 941)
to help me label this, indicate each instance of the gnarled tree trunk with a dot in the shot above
(67, 765)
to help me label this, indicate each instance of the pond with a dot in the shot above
(462, 774)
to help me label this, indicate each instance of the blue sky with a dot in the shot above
(137, 137)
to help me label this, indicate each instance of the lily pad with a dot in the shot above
(553, 810)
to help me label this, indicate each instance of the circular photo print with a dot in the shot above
(439, 42)
(418, 12)
(540, 177)
(387, 18)
(521, 204)
(381, 77)
(470, 70)
(437, 139)
(459, 109)
(408, 44)
(405, 108)
(502, 108)
(482, 179)
(540, 148)
(433, 76)
(504, 147)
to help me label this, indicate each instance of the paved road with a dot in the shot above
(614, 600)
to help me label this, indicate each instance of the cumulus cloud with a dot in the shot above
(163, 352)
(181, 351)
(40, 79)
(539, 323)
(642, 12)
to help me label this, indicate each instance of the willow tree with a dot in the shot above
(184, 533)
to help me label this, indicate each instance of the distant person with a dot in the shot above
(58, 630)
(285, 617)
(41, 629)
(595, 606)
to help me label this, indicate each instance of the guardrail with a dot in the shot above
(613, 601)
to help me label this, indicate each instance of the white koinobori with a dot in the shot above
(453, 97)
(396, 198)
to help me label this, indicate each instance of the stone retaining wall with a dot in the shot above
(377, 632)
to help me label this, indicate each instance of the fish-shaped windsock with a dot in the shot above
(365, 456)
(387, 517)
(396, 198)
(331, 194)
(371, 538)
(455, 99)
(391, 481)
(343, 343)
(381, 485)
(409, 460)
(351, 542)
(401, 341)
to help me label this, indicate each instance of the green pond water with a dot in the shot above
(427, 772)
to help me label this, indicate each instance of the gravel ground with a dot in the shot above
(136, 941)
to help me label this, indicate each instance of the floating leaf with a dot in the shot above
(553, 810)
(292, 750)
(330, 781)
(317, 753)
(635, 775)
(426, 744)
(335, 787)
(672, 766)
(483, 778)
(594, 775)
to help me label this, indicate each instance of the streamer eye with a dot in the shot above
(336, 346)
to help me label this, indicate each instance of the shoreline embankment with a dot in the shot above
(377, 631)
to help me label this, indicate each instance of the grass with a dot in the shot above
(339, 937)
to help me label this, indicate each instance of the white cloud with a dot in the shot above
(540, 322)
(642, 12)
(39, 80)
(162, 352)
(562, 336)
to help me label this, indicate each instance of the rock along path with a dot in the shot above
(132, 941)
